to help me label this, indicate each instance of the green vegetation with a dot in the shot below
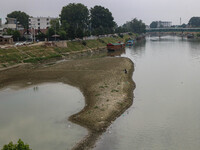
(154, 24)
(194, 22)
(75, 18)
(102, 21)
(36, 54)
(21, 17)
(19, 146)
(135, 26)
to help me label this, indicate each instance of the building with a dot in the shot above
(164, 24)
(5, 39)
(40, 22)
(11, 23)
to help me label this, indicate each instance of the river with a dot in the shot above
(165, 114)
(39, 116)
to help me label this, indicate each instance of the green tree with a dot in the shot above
(16, 34)
(50, 32)
(135, 26)
(77, 17)
(41, 36)
(102, 20)
(55, 24)
(63, 34)
(194, 22)
(22, 17)
(19, 146)
(154, 24)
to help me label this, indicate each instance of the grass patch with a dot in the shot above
(114, 90)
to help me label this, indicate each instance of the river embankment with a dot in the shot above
(106, 86)
(41, 52)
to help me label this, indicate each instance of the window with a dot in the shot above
(47, 23)
(38, 20)
(38, 28)
(47, 19)
(38, 24)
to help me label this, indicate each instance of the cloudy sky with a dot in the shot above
(122, 10)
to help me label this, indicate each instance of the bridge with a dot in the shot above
(153, 30)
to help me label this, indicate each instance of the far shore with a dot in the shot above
(106, 86)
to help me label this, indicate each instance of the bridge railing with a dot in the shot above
(173, 30)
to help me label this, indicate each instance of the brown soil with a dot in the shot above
(108, 90)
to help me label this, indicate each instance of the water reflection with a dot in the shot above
(39, 116)
(116, 53)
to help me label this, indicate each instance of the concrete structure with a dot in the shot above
(6, 39)
(40, 22)
(11, 23)
(164, 24)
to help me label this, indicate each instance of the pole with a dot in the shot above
(55, 32)
(32, 34)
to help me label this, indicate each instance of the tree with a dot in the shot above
(154, 24)
(194, 22)
(16, 34)
(76, 16)
(19, 146)
(22, 17)
(63, 34)
(135, 26)
(102, 20)
(50, 32)
(55, 24)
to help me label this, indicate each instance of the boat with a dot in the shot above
(130, 43)
(190, 36)
(115, 46)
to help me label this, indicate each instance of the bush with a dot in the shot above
(100, 40)
(19, 146)
(130, 33)
(84, 43)
(120, 35)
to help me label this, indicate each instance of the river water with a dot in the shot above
(165, 114)
(39, 116)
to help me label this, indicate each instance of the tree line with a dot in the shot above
(77, 21)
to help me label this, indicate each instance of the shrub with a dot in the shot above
(84, 43)
(120, 35)
(19, 146)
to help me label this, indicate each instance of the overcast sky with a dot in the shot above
(122, 10)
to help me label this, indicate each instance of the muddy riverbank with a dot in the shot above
(107, 88)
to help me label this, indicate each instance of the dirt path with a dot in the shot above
(108, 90)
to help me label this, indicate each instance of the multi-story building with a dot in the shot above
(40, 22)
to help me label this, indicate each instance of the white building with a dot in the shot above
(40, 22)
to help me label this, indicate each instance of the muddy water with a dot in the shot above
(39, 116)
(165, 114)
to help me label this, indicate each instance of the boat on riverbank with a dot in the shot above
(115, 46)
(130, 42)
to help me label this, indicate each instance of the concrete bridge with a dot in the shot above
(158, 30)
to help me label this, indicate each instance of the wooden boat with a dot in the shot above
(115, 46)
